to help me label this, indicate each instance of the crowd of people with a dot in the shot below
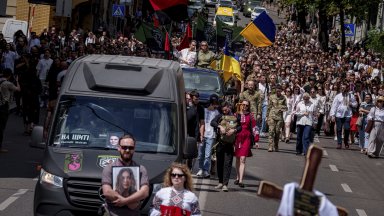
(291, 87)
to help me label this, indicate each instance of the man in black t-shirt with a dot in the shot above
(195, 118)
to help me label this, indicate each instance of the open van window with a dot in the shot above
(92, 122)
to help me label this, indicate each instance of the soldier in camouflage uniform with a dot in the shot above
(254, 97)
(277, 105)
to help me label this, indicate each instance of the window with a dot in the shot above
(92, 122)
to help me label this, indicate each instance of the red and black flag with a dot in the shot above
(186, 39)
(167, 46)
(176, 10)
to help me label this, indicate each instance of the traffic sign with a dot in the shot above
(118, 10)
(349, 30)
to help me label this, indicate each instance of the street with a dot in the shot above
(347, 177)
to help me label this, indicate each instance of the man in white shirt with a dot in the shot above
(188, 56)
(42, 70)
(209, 137)
(9, 58)
(264, 91)
(34, 41)
(341, 113)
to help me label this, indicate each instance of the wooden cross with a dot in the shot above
(315, 153)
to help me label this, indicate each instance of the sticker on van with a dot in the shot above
(104, 160)
(74, 139)
(73, 162)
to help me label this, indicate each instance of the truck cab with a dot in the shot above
(103, 97)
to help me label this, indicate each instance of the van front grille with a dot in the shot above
(84, 193)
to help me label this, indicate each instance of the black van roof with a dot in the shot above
(122, 75)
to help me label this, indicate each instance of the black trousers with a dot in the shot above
(4, 112)
(224, 156)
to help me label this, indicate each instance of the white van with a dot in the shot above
(11, 26)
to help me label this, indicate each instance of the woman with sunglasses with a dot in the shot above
(365, 107)
(176, 197)
(376, 136)
(243, 143)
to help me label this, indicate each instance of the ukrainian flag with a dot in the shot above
(230, 65)
(261, 31)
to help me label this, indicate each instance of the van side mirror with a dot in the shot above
(190, 148)
(37, 137)
(231, 91)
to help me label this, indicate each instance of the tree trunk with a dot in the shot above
(301, 18)
(342, 28)
(323, 27)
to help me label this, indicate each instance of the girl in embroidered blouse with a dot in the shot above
(176, 197)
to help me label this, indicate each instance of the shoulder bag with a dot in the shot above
(370, 123)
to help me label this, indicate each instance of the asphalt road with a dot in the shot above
(348, 178)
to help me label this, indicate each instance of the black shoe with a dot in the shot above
(298, 153)
(236, 182)
(241, 185)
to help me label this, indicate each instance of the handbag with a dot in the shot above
(359, 121)
(253, 141)
(370, 123)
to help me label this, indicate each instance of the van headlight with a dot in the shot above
(46, 177)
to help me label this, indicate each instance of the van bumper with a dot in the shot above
(50, 200)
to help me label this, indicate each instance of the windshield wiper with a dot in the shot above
(89, 147)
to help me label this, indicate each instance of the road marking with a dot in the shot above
(12, 199)
(361, 212)
(325, 152)
(346, 188)
(203, 193)
(333, 168)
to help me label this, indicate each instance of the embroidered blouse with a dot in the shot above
(168, 197)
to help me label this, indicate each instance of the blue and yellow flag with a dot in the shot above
(261, 31)
(230, 65)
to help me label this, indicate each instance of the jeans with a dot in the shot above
(363, 137)
(303, 138)
(320, 122)
(205, 154)
(340, 123)
(263, 126)
(224, 155)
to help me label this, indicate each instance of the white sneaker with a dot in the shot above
(225, 188)
(200, 173)
(206, 174)
(219, 186)
(335, 138)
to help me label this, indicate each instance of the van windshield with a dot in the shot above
(96, 122)
(202, 82)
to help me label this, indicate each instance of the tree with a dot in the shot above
(376, 41)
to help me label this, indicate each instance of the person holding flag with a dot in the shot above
(187, 56)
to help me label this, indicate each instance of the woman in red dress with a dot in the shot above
(243, 141)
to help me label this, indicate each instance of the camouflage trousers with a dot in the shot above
(274, 133)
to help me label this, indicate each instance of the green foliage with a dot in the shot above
(376, 41)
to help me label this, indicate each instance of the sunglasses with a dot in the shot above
(380, 101)
(174, 175)
(125, 148)
(245, 104)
